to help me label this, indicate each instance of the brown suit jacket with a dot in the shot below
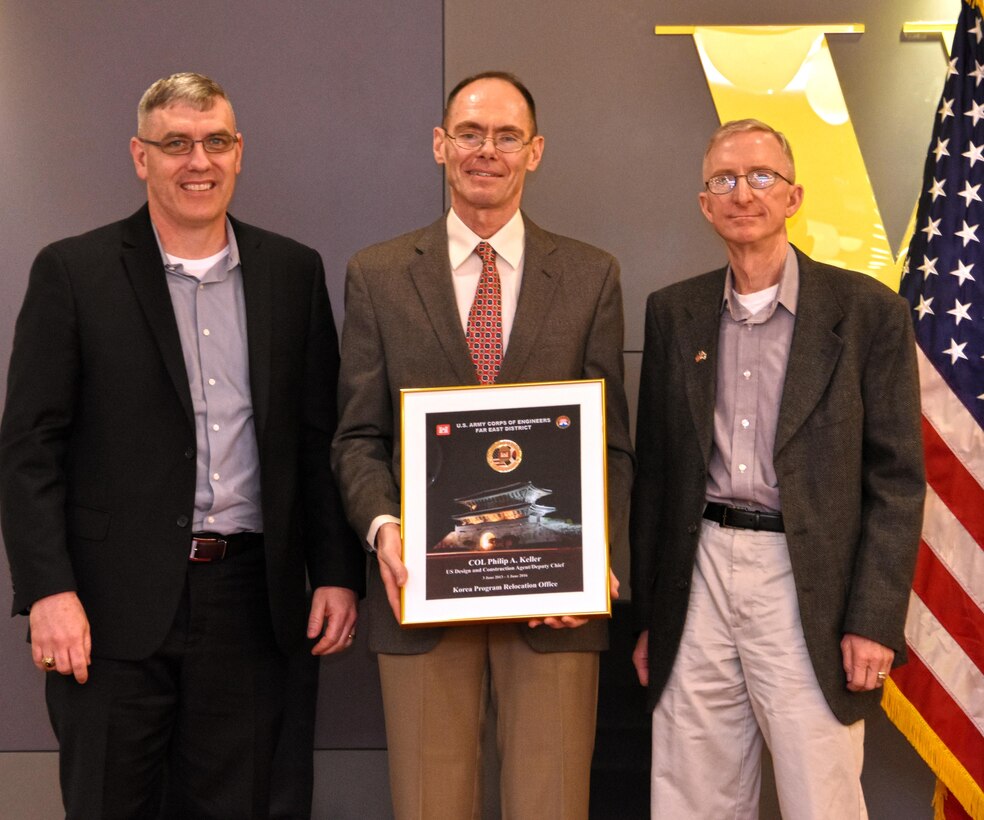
(402, 330)
(848, 458)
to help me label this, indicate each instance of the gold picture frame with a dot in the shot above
(504, 502)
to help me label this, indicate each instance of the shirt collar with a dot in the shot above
(232, 260)
(787, 294)
(508, 242)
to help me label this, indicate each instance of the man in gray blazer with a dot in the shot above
(777, 508)
(407, 324)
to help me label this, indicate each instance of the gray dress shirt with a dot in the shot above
(751, 370)
(211, 316)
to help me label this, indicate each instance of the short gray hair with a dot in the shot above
(196, 90)
(744, 126)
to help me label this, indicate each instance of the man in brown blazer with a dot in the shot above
(777, 507)
(408, 302)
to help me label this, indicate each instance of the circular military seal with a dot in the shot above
(504, 456)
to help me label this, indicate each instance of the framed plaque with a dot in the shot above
(504, 511)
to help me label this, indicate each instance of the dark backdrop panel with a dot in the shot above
(335, 100)
(627, 114)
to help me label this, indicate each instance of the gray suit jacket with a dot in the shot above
(402, 330)
(848, 458)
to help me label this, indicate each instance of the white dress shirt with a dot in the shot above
(466, 267)
(509, 243)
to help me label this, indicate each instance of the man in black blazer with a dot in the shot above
(407, 302)
(777, 506)
(165, 479)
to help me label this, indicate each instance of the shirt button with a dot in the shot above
(741, 468)
(211, 519)
(215, 476)
(215, 427)
(201, 287)
(747, 374)
(744, 423)
(211, 382)
(206, 332)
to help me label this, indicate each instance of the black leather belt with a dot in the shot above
(210, 546)
(744, 519)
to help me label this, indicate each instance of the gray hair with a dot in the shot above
(196, 90)
(744, 126)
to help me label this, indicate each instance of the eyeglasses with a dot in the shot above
(505, 142)
(759, 179)
(213, 144)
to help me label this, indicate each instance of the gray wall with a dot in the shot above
(336, 101)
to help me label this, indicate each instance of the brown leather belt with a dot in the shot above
(210, 546)
(743, 519)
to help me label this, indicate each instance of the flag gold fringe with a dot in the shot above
(940, 794)
(978, 3)
(950, 772)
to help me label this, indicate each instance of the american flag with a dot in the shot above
(937, 699)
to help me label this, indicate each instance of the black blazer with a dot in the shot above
(97, 443)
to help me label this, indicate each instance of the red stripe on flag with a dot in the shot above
(950, 604)
(957, 732)
(955, 486)
(952, 810)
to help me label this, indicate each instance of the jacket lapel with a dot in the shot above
(813, 354)
(258, 293)
(540, 280)
(145, 270)
(697, 347)
(430, 273)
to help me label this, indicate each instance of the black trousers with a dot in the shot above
(292, 787)
(209, 704)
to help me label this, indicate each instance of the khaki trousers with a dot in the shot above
(435, 705)
(743, 674)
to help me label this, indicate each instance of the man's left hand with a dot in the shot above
(863, 660)
(571, 621)
(334, 611)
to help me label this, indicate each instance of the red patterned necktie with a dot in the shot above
(485, 319)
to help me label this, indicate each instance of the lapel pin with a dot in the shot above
(701, 356)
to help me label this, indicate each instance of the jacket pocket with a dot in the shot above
(85, 522)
